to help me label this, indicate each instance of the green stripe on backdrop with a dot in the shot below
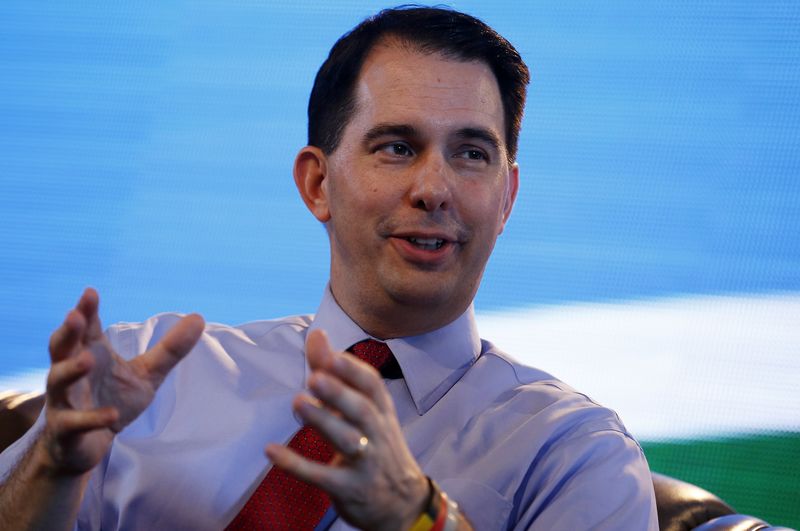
(756, 474)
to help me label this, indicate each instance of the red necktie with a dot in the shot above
(283, 502)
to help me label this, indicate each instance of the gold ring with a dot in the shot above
(361, 449)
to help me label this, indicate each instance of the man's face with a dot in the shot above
(417, 191)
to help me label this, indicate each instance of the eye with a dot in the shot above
(398, 149)
(472, 154)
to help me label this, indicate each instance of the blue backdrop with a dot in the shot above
(146, 150)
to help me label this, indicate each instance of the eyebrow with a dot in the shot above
(388, 129)
(480, 133)
(409, 131)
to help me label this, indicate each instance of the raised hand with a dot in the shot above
(93, 393)
(374, 482)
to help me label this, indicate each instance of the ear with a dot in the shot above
(512, 187)
(310, 171)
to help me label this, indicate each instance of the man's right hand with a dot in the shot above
(93, 393)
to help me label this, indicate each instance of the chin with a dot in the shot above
(428, 296)
(420, 298)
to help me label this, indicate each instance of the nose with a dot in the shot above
(431, 188)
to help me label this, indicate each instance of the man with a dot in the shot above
(413, 125)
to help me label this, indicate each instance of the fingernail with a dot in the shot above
(269, 450)
(339, 363)
(318, 382)
(299, 408)
(304, 408)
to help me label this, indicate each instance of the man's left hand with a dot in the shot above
(373, 481)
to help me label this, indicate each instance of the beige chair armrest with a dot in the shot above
(18, 412)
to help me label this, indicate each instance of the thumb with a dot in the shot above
(178, 341)
(318, 351)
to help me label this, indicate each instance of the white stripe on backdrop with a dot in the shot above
(672, 368)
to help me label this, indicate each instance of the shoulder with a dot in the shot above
(575, 449)
(563, 411)
(130, 339)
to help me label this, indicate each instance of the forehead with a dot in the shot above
(401, 84)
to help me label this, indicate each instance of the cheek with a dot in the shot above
(482, 206)
(360, 184)
(362, 203)
(486, 220)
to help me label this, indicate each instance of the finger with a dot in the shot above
(328, 478)
(88, 305)
(356, 373)
(355, 407)
(318, 351)
(65, 373)
(66, 338)
(69, 422)
(363, 377)
(344, 437)
(177, 342)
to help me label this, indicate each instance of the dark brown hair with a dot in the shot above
(427, 29)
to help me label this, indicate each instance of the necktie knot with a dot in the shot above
(379, 355)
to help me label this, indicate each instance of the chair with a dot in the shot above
(18, 412)
(681, 506)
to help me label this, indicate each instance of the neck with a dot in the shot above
(396, 319)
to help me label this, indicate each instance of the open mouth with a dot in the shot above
(426, 244)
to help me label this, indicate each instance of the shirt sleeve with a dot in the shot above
(598, 480)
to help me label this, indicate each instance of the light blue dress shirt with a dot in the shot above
(514, 446)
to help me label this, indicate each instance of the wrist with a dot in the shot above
(439, 513)
(37, 495)
(420, 500)
(43, 462)
(46, 465)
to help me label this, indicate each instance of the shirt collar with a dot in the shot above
(432, 363)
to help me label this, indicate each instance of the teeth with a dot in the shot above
(429, 244)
